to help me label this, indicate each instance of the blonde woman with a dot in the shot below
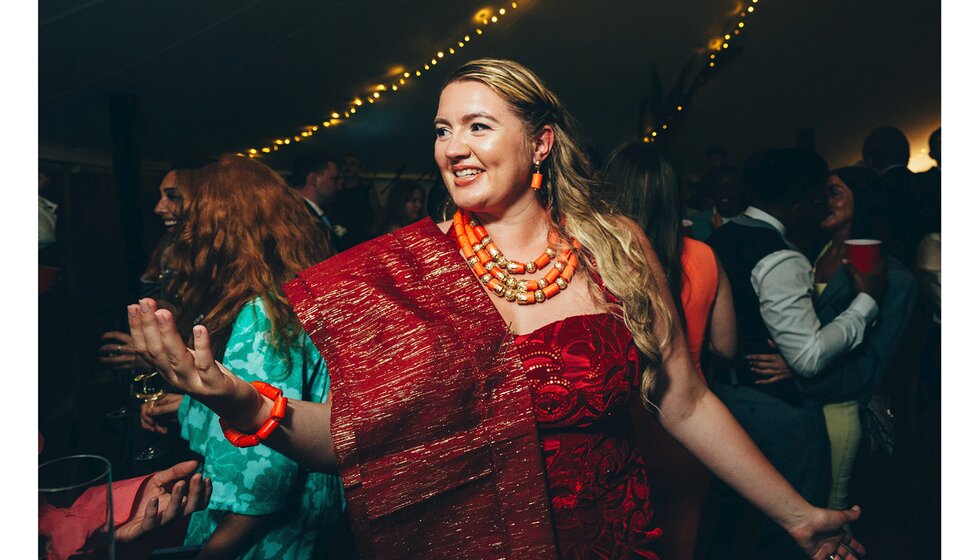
(479, 403)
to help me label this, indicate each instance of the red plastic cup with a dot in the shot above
(863, 253)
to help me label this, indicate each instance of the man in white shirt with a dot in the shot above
(772, 284)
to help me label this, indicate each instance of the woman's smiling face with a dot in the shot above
(171, 201)
(482, 148)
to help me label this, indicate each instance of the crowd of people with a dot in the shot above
(651, 371)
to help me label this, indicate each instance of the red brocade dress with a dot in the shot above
(583, 371)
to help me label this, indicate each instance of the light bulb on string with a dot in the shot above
(394, 87)
(493, 19)
(513, 5)
(479, 31)
(750, 9)
(287, 141)
(440, 54)
(266, 150)
(452, 50)
(370, 100)
(252, 151)
(503, 11)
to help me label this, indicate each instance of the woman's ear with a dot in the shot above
(543, 141)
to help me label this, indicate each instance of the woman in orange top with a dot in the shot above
(646, 189)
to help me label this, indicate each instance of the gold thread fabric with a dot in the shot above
(432, 417)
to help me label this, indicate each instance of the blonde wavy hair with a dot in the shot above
(569, 191)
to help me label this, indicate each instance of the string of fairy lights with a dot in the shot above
(378, 92)
(721, 50)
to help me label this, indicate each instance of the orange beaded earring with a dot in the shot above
(536, 178)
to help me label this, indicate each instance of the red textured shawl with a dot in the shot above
(432, 418)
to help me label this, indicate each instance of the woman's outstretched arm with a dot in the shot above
(701, 422)
(304, 433)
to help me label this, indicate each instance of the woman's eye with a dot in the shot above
(442, 132)
(479, 126)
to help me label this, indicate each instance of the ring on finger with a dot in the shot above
(832, 556)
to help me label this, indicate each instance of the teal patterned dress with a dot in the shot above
(258, 480)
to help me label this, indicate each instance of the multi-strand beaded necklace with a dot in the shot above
(497, 272)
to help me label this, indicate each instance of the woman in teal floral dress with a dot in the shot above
(243, 235)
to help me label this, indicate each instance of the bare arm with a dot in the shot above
(304, 433)
(697, 419)
(723, 334)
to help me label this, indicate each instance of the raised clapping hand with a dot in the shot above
(823, 537)
(166, 496)
(193, 372)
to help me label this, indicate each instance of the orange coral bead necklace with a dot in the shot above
(497, 272)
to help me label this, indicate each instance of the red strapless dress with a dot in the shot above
(583, 372)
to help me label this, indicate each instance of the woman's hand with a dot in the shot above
(193, 372)
(117, 351)
(822, 535)
(772, 366)
(166, 496)
(150, 411)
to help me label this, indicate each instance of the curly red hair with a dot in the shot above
(244, 233)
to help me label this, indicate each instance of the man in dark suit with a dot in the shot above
(771, 284)
(317, 178)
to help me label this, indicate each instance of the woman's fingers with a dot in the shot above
(204, 357)
(151, 333)
(177, 496)
(136, 327)
(150, 519)
(195, 493)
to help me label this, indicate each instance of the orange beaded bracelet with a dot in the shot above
(239, 439)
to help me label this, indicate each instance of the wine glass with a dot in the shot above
(148, 387)
(74, 498)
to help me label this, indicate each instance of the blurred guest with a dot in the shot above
(772, 282)
(886, 151)
(728, 199)
(406, 199)
(358, 206)
(927, 192)
(846, 386)
(317, 178)
(647, 191)
(244, 233)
